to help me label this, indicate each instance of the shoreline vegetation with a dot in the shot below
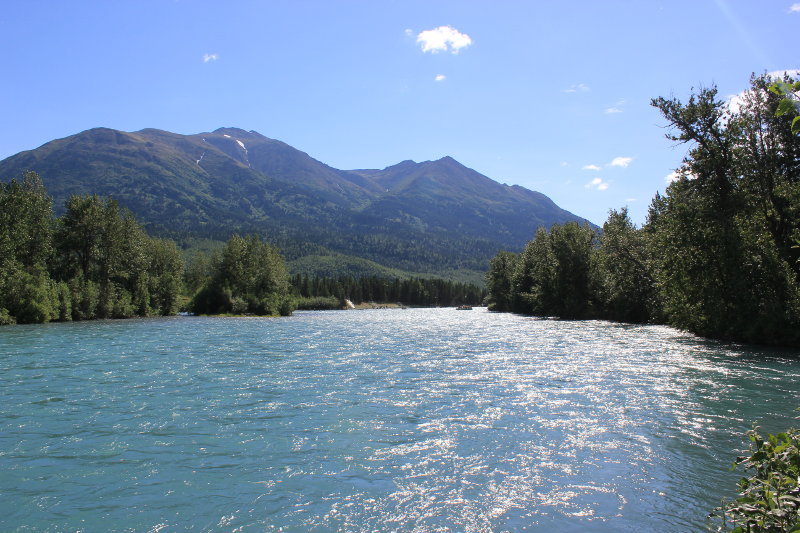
(719, 254)
(94, 262)
(97, 262)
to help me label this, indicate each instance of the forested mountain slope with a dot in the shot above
(436, 217)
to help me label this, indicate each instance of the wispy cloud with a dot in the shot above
(597, 184)
(620, 162)
(440, 77)
(209, 57)
(578, 88)
(443, 39)
(616, 108)
(591, 167)
(795, 8)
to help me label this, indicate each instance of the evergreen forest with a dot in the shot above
(719, 253)
(330, 292)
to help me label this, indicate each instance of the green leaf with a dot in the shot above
(796, 124)
(785, 106)
(781, 88)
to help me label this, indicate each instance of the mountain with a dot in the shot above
(435, 217)
(444, 194)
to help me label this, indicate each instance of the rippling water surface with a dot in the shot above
(392, 420)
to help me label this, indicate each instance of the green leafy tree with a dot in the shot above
(164, 275)
(251, 277)
(25, 221)
(628, 290)
(719, 253)
(572, 246)
(534, 277)
(114, 268)
(26, 291)
(554, 273)
(768, 159)
(722, 235)
(499, 281)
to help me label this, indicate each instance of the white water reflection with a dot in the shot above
(412, 420)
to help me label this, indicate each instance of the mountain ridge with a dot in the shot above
(433, 216)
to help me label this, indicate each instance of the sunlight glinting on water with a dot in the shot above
(407, 420)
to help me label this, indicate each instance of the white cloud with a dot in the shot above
(209, 57)
(591, 167)
(409, 32)
(672, 177)
(795, 8)
(616, 108)
(443, 39)
(735, 101)
(620, 162)
(597, 184)
(631, 200)
(440, 77)
(578, 88)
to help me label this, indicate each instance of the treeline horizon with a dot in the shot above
(719, 253)
(330, 292)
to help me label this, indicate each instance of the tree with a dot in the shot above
(534, 277)
(722, 235)
(250, 277)
(623, 271)
(164, 275)
(572, 246)
(114, 269)
(499, 281)
(769, 166)
(25, 221)
(26, 291)
(553, 274)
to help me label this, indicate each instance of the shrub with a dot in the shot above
(769, 499)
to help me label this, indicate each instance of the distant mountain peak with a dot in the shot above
(239, 133)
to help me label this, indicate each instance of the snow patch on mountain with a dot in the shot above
(245, 151)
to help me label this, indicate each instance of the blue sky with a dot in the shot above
(553, 96)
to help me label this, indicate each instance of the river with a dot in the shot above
(428, 420)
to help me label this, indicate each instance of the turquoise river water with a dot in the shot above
(426, 420)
